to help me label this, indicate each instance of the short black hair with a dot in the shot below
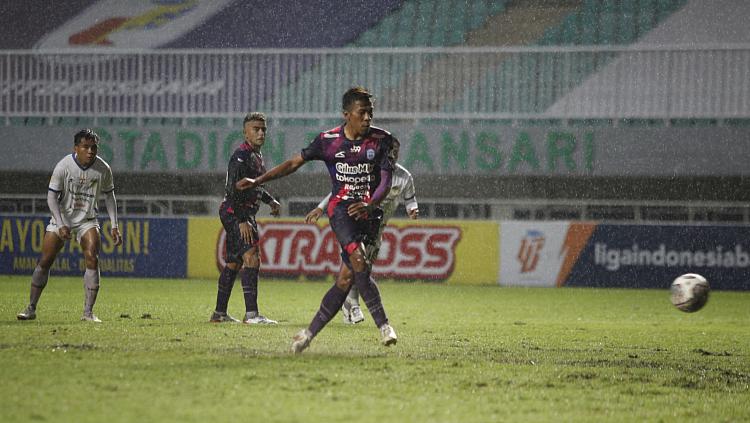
(354, 94)
(86, 133)
(258, 116)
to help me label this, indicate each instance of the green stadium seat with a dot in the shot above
(424, 23)
(385, 30)
(646, 15)
(627, 26)
(607, 20)
(406, 23)
(588, 21)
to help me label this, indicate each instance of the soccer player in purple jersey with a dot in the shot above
(402, 189)
(360, 159)
(76, 185)
(237, 213)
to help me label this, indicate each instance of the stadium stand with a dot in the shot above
(286, 24)
(429, 23)
(531, 83)
(609, 22)
(262, 24)
(21, 24)
(414, 24)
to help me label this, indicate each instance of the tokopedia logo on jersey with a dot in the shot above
(354, 174)
(613, 259)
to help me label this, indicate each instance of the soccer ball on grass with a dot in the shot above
(689, 292)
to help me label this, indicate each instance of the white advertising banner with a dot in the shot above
(532, 253)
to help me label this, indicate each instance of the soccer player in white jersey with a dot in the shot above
(77, 182)
(402, 189)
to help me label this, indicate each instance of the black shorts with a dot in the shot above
(236, 246)
(348, 230)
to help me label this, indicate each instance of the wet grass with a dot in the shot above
(465, 354)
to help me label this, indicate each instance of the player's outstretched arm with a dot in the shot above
(288, 167)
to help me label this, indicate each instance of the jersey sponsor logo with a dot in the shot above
(528, 253)
(412, 252)
(355, 180)
(340, 155)
(355, 169)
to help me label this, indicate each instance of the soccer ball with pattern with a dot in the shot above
(689, 292)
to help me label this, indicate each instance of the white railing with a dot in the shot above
(412, 83)
(432, 208)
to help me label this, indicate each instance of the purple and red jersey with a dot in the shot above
(356, 167)
(246, 162)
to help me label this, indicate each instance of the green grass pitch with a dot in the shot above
(465, 354)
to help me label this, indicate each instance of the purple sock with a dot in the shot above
(249, 278)
(226, 282)
(332, 302)
(369, 292)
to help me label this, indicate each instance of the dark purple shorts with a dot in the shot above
(350, 232)
(236, 246)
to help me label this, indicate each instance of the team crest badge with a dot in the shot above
(370, 154)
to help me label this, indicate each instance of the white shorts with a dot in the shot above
(78, 230)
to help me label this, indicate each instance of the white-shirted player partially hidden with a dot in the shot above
(402, 189)
(77, 182)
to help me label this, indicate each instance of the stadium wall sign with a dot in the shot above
(114, 23)
(622, 255)
(476, 149)
(150, 248)
(444, 251)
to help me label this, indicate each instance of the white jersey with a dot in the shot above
(79, 188)
(402, 188)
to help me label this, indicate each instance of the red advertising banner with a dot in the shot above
(410, 252)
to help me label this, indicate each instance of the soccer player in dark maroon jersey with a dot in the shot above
(360, 159)
(237, 213)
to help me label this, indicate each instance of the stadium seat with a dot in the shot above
(530, 83)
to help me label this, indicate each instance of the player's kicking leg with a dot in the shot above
(371, 295)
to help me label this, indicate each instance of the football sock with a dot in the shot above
(38, 282)
(353, 297)
(91, 289)
(332, 302)
(249, 279)
(371, 294)
(226, 282)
